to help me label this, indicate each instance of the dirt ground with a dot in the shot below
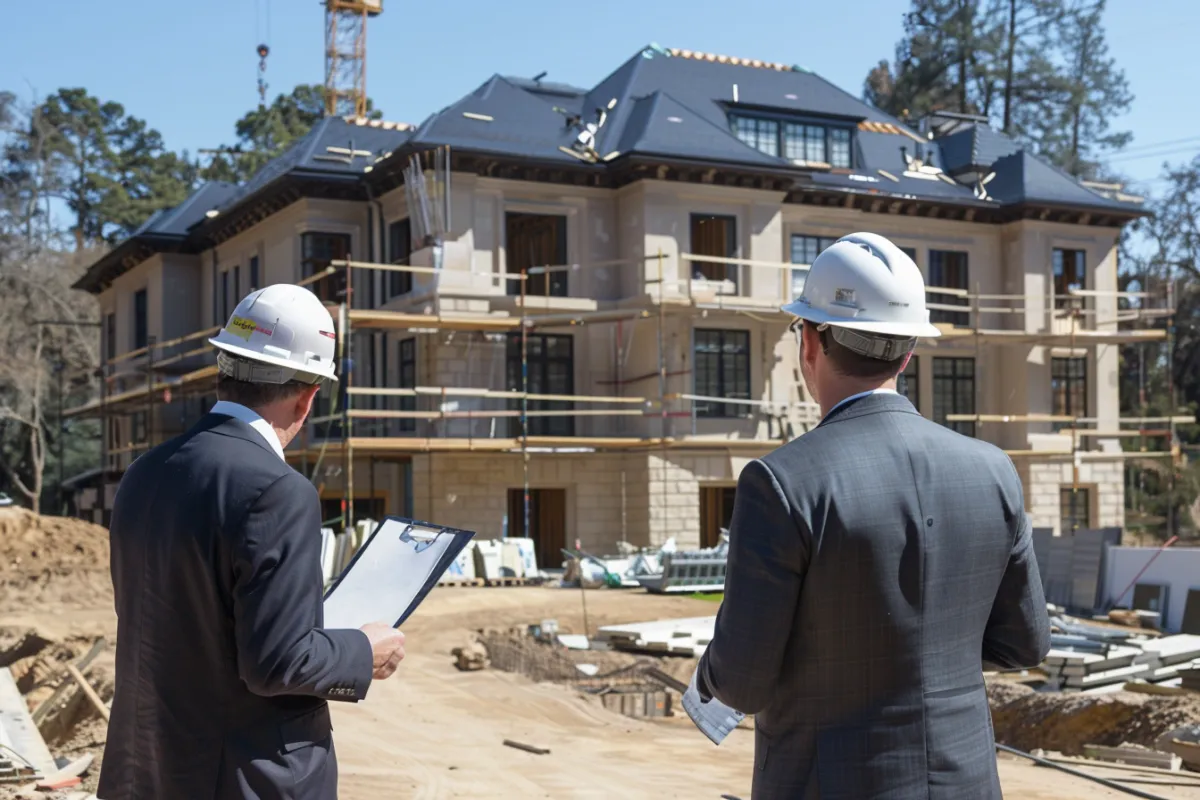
(435, 732)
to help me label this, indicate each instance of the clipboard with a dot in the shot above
(392, 572)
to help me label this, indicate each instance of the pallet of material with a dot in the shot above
(1190, 678)
(1136, 756)
(688, 636)
(460, 582)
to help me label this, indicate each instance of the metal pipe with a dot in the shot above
(525, 532)
(1041, 762)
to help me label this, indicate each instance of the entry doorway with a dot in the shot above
(716, 512)
(547, 522)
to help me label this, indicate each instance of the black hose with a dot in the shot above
(1102, 781)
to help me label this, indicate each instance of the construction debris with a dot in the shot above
(470, 657)
(683, 637)
(528, 748)
(1133, 755)
(1089, 657)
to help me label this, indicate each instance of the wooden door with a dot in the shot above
(716, 512)
(547, 522)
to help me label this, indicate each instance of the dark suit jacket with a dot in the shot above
(874, 562)
(223, 670)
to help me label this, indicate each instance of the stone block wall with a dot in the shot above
(1105, 480)
(470, 490)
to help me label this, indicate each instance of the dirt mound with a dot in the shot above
(47, 559)
(1066, 722)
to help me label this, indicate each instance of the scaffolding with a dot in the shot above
(1046, 322)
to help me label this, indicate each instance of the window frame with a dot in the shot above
(406, 378)
(937, 279)
(539, 362)
(1081, 494)
(696, 267)
(709, 410)
(787, 136)
(1072, 373)
(110, 336)
(1058, 275)
(822, 242)
(311, 264)
(940, 413)
(141, 319)
(398, 283)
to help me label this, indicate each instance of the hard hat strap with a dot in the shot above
(884, 349)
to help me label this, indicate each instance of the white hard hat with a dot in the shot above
(278, 334)
(863, 282)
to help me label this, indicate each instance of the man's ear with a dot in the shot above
(811, 343)
(305, 399)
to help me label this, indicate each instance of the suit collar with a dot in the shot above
(254, 420)
(868, 404)
(224, 425)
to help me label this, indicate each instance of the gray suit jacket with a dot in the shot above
(223, 669)
(874, 562)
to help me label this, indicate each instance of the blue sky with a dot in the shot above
(189, 67)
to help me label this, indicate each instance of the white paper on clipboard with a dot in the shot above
(392, 572)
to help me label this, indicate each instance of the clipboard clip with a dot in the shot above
(420, 538)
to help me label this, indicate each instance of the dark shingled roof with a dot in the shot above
(666, 105)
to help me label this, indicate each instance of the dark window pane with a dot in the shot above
(533, 241)
(141, 330)
(948, 270)
(839, 148)
(550, 366)
(399, 252)
(714, 236)
(1069, 273)
(761, 134)
(317, 250)
(407, 379)
(1074, 508)
(805, 250)
(954, 392)
(254, 273)
(722, 370)
(1068, 388)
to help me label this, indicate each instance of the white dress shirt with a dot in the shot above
(845, 400)
(251, 418)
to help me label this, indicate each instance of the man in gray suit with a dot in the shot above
(874, 563)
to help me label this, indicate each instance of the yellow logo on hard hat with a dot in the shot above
(242, 328)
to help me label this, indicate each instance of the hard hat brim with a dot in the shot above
(806, 312)
(244, 352)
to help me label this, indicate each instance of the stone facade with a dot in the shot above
(1104, 481)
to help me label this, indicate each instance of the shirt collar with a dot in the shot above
(845, 400)
(251, 418)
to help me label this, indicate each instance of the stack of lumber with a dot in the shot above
(685, 637)
(1089, 658)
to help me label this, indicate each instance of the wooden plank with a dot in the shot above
(1134, 755)
(74, 672)
(44, 708)
(17, 729)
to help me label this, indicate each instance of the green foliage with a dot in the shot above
(1037, 69)
(110, 169)
(1163, 379)
(265, 132)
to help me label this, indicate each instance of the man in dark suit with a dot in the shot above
(874, 563)
(223, 668)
